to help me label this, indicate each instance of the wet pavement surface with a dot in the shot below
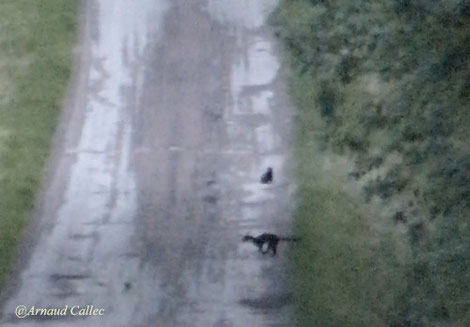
(177, 109)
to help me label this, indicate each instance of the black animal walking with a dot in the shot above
(267, 177)
(271, 240)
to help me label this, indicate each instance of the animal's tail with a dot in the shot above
(290, 239)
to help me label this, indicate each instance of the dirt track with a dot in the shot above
(177, 108)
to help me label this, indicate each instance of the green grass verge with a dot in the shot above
(36, 39)
(343, 269)
(339, 279)
(382, 160)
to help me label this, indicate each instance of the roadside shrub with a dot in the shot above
(391, 80)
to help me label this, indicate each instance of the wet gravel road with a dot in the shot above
(176, 109)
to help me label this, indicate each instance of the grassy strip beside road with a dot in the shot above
(382, 160)
(36, 38)
(344, 269)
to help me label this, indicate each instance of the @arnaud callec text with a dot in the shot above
(23, 311)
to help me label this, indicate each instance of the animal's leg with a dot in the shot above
(273, 249)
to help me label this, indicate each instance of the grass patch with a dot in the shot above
(36, 38)
(338, 262)
(382, 160)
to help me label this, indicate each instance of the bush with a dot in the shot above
(386, 85)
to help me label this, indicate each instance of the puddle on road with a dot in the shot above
(255, 68)
(260, 102)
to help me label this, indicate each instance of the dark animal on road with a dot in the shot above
(267, 177)
(270, 239)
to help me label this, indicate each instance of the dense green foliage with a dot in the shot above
(36, 38)
(385, 85)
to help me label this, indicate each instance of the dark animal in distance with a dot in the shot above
(267, 177)
(271, 240)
